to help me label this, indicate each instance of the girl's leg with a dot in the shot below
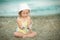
(18, 34)
(32, 34)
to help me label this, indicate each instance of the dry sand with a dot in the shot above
(47, 28)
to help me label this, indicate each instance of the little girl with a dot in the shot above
(24, 23)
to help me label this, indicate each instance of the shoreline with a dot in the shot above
(31, 16)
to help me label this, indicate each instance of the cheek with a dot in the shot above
(23, 14)
(26, 14)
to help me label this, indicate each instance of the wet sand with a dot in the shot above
(47, 28)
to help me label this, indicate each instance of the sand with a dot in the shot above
(47, 28)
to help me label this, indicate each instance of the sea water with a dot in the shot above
(38, 7)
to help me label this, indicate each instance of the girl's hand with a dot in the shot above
(30, 30)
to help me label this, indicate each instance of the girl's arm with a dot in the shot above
(29, 24)
(19, 23)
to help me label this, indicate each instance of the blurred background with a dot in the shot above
(45, 15)
(38, 7)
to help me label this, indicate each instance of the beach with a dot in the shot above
(47, 28)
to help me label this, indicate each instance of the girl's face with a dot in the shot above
(25, 13)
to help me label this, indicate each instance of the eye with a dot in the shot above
(26, 12)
